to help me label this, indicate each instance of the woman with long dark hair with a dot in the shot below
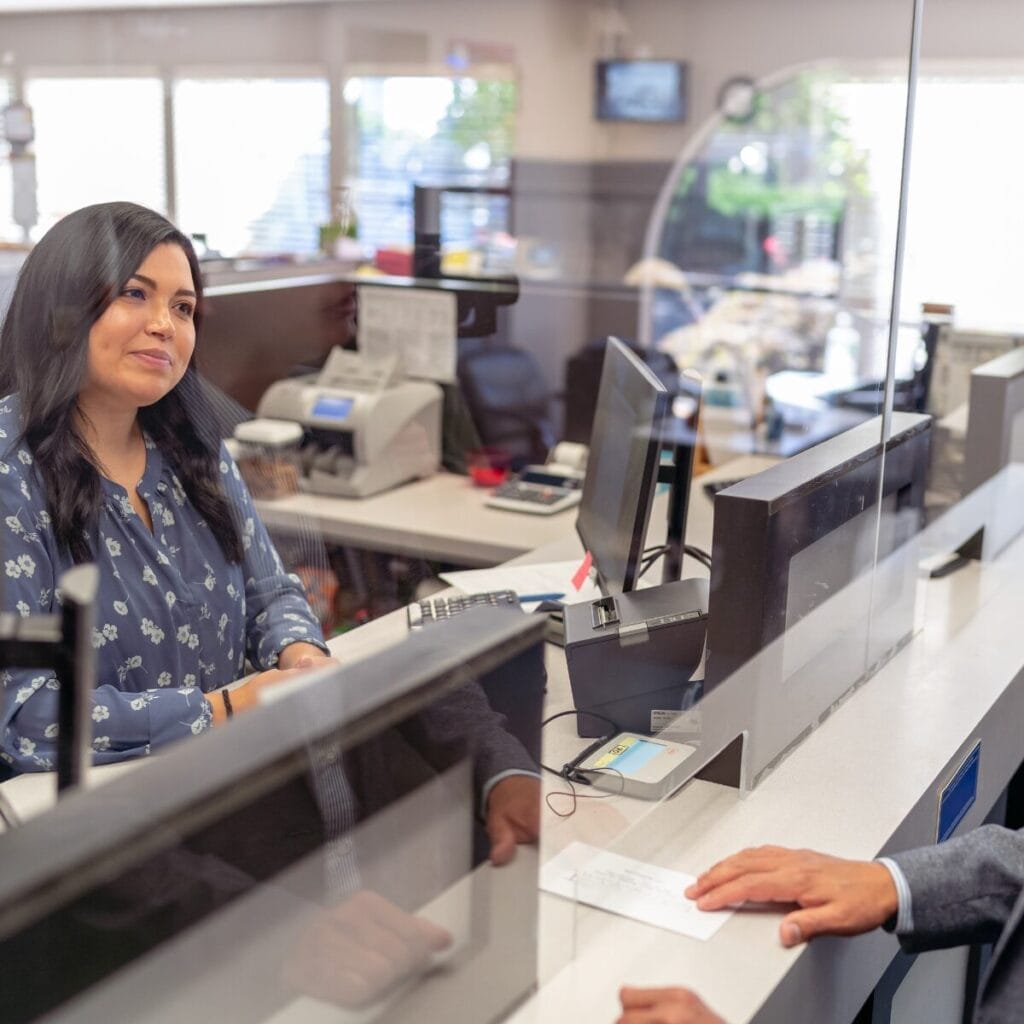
(108, 454)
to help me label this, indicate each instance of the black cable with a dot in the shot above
(697, 554)
(568, 771)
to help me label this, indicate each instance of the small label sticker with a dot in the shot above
(676, 723)
(580, 576)
(663, 719)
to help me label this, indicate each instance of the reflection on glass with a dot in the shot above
(325, 857)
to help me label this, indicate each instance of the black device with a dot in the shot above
(640, 90)
(799, 533)
(631, 656)
(632, 653)
(622, 469)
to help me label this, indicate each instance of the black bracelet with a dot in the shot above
(228, 709)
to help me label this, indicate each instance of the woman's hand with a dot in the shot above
(303, 655)
(246, 695)
(293, 660)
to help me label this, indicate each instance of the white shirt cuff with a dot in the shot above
(494, 780)
(904, 913)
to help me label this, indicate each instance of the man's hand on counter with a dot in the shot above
(513, 816)
(836, 897)
(664, 1006)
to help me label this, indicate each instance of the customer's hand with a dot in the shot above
(664, 1006)
(355, 953)
(513, 816)
(836, 897)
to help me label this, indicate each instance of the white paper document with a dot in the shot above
(544, 578)
(630, 888)
(417, 323)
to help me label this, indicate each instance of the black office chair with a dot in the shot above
(508, 400)
(583, 376)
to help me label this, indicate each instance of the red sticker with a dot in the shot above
(580, 576)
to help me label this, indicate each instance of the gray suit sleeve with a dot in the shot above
(963, 890)
(467, 713)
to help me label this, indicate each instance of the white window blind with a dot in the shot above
(432, 130)
(97, 140)
(252, 162)
(9, 231)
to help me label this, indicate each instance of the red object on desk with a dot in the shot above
(488, 467)
(397, 262)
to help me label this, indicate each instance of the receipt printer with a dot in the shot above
(366, 428)
(631, 656)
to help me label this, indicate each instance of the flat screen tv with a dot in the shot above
(640, 90)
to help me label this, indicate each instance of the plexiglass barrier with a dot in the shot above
(321, 858)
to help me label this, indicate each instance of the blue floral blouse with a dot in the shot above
(173, 619)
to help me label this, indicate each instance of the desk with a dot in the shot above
(442, 517)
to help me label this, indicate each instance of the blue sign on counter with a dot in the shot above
(959, 794)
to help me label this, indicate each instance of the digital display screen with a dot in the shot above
(641, 90)
(533, 476)
(330, 408)
(629, 755)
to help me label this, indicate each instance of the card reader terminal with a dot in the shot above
(639, 766)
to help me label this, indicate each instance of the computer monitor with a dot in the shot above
(640, 90)
(994, 450)
(622, 469)
(243, 874)
(804, 535)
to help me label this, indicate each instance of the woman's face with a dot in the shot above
(140, 346)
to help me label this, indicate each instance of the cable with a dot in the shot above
(698, 554)
(654, 553)
(568, 771)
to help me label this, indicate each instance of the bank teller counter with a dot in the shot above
(885, 715)
(319, 858)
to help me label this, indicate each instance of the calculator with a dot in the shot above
(539, 491)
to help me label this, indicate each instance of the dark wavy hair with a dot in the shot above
(78, 268)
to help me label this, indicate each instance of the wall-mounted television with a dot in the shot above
(640, 90)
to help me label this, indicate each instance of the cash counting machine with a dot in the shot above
(366, 427)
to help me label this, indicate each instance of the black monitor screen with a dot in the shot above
(622, 470)
(641, 90)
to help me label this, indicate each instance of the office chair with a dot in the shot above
(508, 400)
(583, 375)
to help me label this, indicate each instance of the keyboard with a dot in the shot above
(440, 609)
(537, 499)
